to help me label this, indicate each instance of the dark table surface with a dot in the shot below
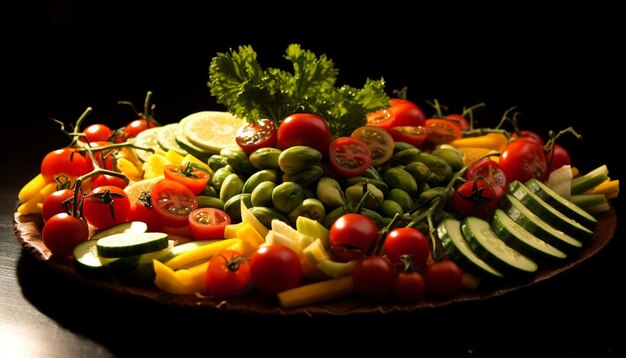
(557, 75)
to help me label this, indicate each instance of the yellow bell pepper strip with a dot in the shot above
(610, 188)
(317, 292)
(246, 232)
(494, 141)
(182, 282)
(31, 206)
(470, 154)
(202, 253)
(32, 188)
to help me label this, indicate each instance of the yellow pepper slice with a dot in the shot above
(32, 188)
(495, 141)
(202, 253)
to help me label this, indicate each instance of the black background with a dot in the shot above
(560, 66)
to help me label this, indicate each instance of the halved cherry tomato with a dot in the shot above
(191, 177)
(208, 223)
(260, 134)
(401, 112)
(458, 119)
(379, 141)
(228, 274)
(349, 157)
(442, 131)
(489, 170)
(415, 135)
(64, 161)
(97, 133)
(173, 202)
(304, 129)
(137, 126)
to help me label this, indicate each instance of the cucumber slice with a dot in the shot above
(487, 245)
(548, 213)
(167, 139)
(449, 232)
(131, 243)
(89, 262)
(536, 226)
(133, 226)
(523, 241)
(561, 204)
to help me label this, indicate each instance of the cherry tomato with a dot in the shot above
(489, 170)
(558, 158)
(443, 278)
(379, 141)
(442, 131)
(406, 241)
(62, 232)
(477, 197)
(275, 268)
(173, 202)
(373, 277)
(104, 158)
(61, 201)
(64, 161)
(106, 206)
(409, 286)
(193, 178)
(523, 160)
(351, 236)
(137, 126)
(401, 112)
(260, 134)
(208, 223)
(304, 129)
(228, 274)
(459, 120)
(415, 135)
(349, 157)
(97, 133)
(142, 210)
(107, 179)
(528, 135)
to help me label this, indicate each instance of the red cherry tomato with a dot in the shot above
(477, 197)
(304, 129)
(62, 232)
(528, 135)
(349, 157)
(61, 201)
(260, 134)
(523, 160)
(407, 241)
(208, 223)
(173, 202)
(443, 278)
(489, 170)
(442, 131)
(106, 206)
(351, 236)
(104, 158)
(409, 286)
(228, 274)
(379, 141)
(415, 135)
(107, 179)
(401, 112)
(142, 210)
(373, 277)
(97, 133)
(459, 120)
(193, 178)
(137, 126)
(558, 158)
(275, 268)
(64, 161)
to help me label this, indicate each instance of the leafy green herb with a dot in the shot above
(239, 82)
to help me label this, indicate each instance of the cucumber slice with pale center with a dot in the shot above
(131, 243)
(89, 262)
(133, 226)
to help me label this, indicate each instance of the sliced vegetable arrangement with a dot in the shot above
(308, 192)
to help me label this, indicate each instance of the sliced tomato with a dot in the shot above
(458, 119)
(349, 157)
(260, 134)
(415, 135)
(379, 141)
(173, 202)
(191, 177)
(401, 112)
(208, 223)
(442, 131)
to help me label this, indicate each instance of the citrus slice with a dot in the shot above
(167, 139)
(212, 130)
(135, 190)
(146, 139)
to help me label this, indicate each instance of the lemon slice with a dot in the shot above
(134, 190)
(212, 130)
(146, 139)
(167, 139)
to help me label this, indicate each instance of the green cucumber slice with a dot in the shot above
(133, 226)
(548, 213)
(523, 241)
(488, 246)
(449, 232)
(536, 226)
(89, 262)
(561, 204)
(131, 243)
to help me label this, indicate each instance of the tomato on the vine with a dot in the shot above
(304, 129)
(459, 120)
(523, 160)
(259, 134)
(443, 278)
(62, 232)
(61, 201)
(409, 286)
(97, 133)
(105, 158)
(373, 277)
(406, 241)
(173, 202)
(415, 135)
(351, 236)
(489, 170)
(137, 126)
(228, 274)
(106, 206)
(379, 141)
(557, 158)
(193, 178)
(208, 223)
(107, 179)
(142, 210)
(275, 268)
(477, 197)
(64, 161)
(401, 112)
(442, 131)
(349, 157)
(528, 135)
